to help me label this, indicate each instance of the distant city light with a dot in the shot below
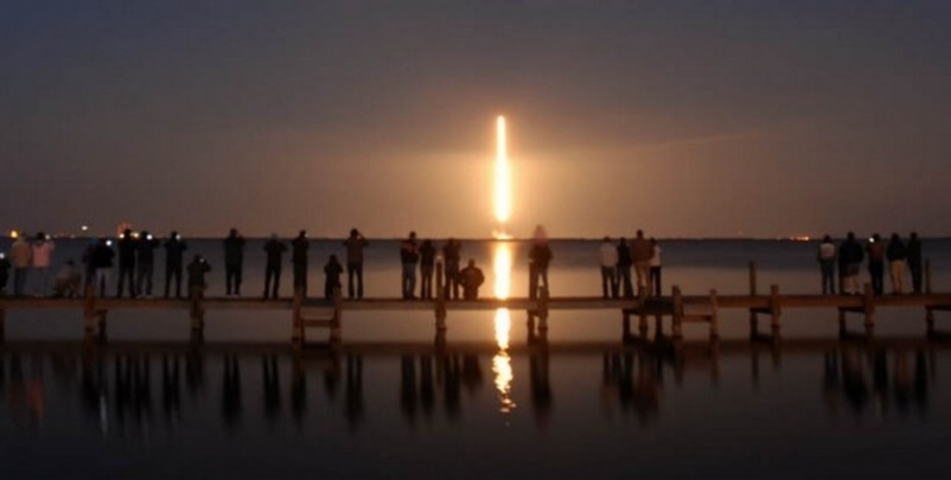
(14, 234)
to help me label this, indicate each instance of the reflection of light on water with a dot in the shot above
(502, 363)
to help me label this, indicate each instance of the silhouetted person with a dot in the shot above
(427, 265)
(127, 248)
(299, 248)
(607, 257)
(876, 263)
(145, 263)
(234, 262)
(850, 261)
(196, 277)
(102, 258)
(451, 253)
(913, 249)
(896, 254)
(409, 257)
(42, 257)
(355, 244)
(174, 260)
(4, 273)
(624, 264)
(540, 257)
(826, 258)
(274, 249)
(641, 252)
(332, 272)
(471, 278)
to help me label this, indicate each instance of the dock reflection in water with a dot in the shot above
(158, 394)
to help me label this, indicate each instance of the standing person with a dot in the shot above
(145, 263)
(90, 270)
(471, 278)
(102, 257)
(196, 277)
(355, 244)
(409, 257)
(427, 265)
(641, 253)
(234, 262)
(896, 255)
(174, 260)
(655, 268)
(608, 258)
(272, 269)
(913, 250)
(4, 273)
(451, 252)
(127, 248)
(540, 257)
(876, 263)
(43, 249)
(22, 255)
(624, 263)
(850, 261)
(299, 248)
(332, 272)
(826, 258)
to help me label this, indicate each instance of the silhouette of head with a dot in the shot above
(850, 236)
(354, 232)
(471, 262)
(233, 232)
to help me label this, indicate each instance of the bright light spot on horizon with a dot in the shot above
(503, 177)
(14, 234)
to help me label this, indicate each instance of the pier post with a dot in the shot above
(297, 327)
(714, 313)
(754, 317)
(775, 311)
(642, 324)
(929, 321)
(197, 313)
(676, 323)
(868, 307)
(440, 299)
(336, 330)
(89, 311)
(3, 326)
(928, 276)
(543, 311)
(626, 336)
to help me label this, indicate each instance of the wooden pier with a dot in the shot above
(308, 314)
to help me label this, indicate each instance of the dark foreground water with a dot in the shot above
(581, 412)
(389, 405)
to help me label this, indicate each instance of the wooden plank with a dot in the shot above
(317, 322)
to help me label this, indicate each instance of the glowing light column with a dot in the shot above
(502, 363)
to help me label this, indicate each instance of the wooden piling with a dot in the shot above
(626, 335)
(197, 312)
(929, 322)
(336, 321)
(714, 313)
(3, 325)
(543, 311)
(89, 310)
(676, 324)
(868, 308)
(754, 317)
(928, 276)
(775, 311)
(297, 326)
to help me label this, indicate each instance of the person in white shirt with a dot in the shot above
(655, 285)
(608, 258)
(42, 255)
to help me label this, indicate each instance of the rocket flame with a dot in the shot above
(503, 180)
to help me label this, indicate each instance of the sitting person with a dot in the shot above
(471, 279)
(68, 281)
(332, 271)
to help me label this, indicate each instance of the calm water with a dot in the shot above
(388, 405)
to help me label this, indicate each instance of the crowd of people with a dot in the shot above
(851, 254)
(616, 261)
(135, 255)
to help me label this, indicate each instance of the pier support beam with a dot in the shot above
(3, 325)
(677, 318)
(868, 308)
(297, 326)
(626, 336)
(94, 317)
(336, 321)
(543, 312)
(754, 317)
(714, 314)
(197, 313)
(775, 311)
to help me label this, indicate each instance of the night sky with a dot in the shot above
(686, 118)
